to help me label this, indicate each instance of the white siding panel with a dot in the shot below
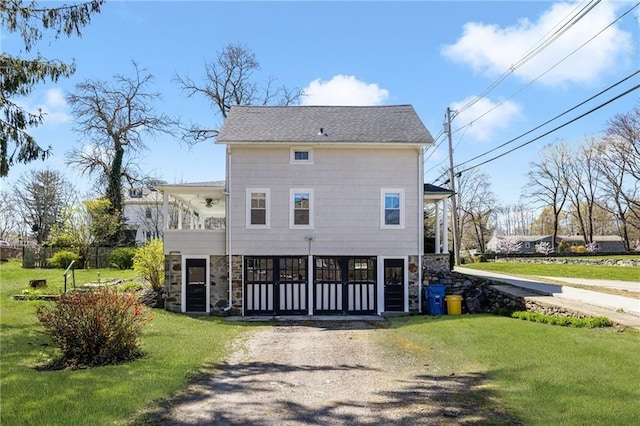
(346, 184)
(193, 241)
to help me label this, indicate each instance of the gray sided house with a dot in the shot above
(606, 243)
(321, 213)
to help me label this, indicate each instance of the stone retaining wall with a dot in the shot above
(572, 260)
(483, 295)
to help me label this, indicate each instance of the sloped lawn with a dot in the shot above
(541, 374)
(176, 347)
(604, 272)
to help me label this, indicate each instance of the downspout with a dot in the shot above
(227, 209)
(420, 224)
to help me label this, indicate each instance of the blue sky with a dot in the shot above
(428, 54)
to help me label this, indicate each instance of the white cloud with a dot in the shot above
(484, 128)
(343, 90)
(491, 49)
(55, 107)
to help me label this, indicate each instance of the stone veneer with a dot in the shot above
(219, 288)
(414, 285)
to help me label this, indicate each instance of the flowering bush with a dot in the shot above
(509, 245)
(148, 262)
(544, 247)
(98, 327)
(592, 247)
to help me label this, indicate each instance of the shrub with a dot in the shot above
(130, 286)
(121, 257)
(563, 246)
(62, 259)
(595, 322)
(98, 327)
(149, 263)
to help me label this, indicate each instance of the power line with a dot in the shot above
(552, 119)
(636, 87)
(547, 71)
(542, 44)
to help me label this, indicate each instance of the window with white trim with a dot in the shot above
(392, 208)
(301, 210)
(301, 155)
(258, 208)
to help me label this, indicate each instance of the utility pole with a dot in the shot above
(452, 186)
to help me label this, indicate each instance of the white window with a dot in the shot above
(258, 208)
(301, 211)
(301, 155)
(392, 208)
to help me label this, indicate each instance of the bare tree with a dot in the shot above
(10, 223)
(40, 198)
(20, 75)
(231, 80)
(115, 117)
(547, 182)
(582, 188)
(514, 219)
(477, 204)
(620, 190)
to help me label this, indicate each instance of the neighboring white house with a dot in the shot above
(142, 212)
(321, 213)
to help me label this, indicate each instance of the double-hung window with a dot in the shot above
(301, 211)
(258, 208)
(392, 208)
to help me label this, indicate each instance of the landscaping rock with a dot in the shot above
(37, 283)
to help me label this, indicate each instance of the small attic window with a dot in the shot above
(135, 193)
(301, 155)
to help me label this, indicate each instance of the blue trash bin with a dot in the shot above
(435, 299)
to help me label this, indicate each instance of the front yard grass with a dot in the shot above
(569, 270)
(176, 347)
(540, 374)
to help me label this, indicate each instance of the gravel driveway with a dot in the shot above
(326, 373)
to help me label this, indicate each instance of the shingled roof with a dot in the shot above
(324, 124)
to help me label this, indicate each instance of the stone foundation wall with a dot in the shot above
(218, 290)
(236, 285)
(436, 263)
(414, 284)
(173, 282)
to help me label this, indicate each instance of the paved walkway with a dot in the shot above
(626, 310)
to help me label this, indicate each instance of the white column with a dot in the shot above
(445, 221)
(437, 225)
(165, 209)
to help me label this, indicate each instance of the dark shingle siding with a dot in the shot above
(342, 124)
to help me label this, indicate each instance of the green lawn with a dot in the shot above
(176, 347)
(538, 374)
(621, 273)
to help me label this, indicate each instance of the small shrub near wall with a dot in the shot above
(98, 327)
(121, 257)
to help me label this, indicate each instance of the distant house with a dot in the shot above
(606, 243)
(142, 212)
(321, 213)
